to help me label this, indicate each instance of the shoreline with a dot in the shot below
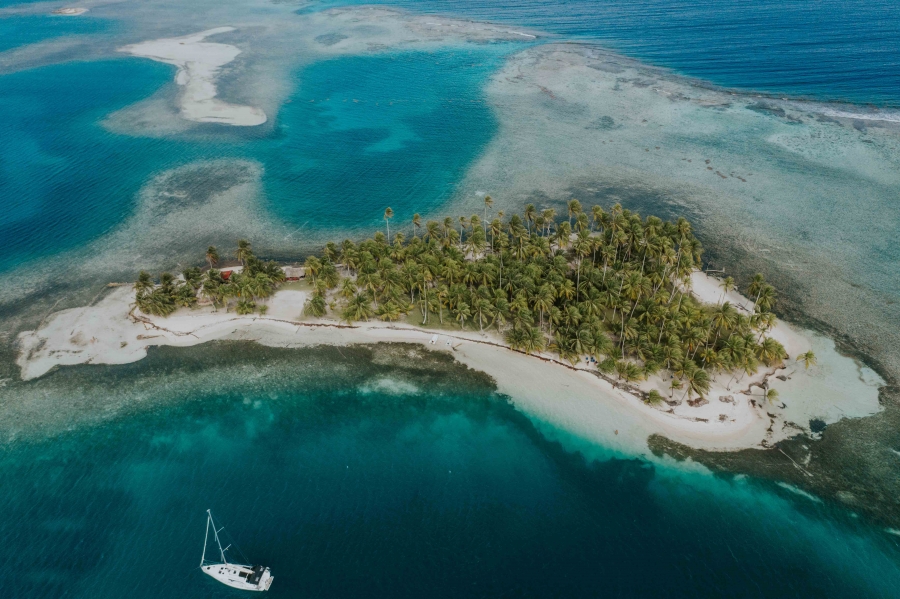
(577, 399)
(198, 65)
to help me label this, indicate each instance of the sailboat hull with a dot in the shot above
(246, 578)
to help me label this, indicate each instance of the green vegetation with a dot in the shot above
(257, 280)
(606, 284)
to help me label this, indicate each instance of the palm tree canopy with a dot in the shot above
(611, 285)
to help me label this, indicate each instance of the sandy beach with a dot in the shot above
(575, 399)
(199, 63)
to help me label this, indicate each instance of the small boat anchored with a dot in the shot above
(246, 578)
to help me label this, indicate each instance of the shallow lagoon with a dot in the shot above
(358, 134)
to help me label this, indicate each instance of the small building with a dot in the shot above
(294, 273)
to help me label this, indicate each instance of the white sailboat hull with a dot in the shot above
(240, 577)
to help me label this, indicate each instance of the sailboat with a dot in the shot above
(247, 578)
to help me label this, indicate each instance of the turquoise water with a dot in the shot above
(359, 134)
(28, 29)
(363, 133)
(350, 477)
(66, 179)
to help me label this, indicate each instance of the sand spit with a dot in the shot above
(574, 399)
(198, 65)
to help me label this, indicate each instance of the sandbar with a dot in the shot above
(199, 64)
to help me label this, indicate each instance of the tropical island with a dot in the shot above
(615, 297)
(609, 288)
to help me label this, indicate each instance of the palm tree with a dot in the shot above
(765, 299)
(315, 306)
(808, 358)
(726, 285)
(417, 224)
(770, 395)
(388, 215)
(488, 202)
(358, 308)
(243, 251)
(628, 371)
(697, 381)
(389, 311)
(529, 215)
(212, 256)
(574, 207)
(143, 284)
(756, 285)
(348, 289)
(483, 309)
(532, 340)
(313, 266)
(770, 351)
(462, 313)
(673, 385)
(654, 398)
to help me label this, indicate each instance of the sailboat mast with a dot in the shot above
(216, 534)
(205, 538)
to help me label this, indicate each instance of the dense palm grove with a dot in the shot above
(257, 280)
(606, 284)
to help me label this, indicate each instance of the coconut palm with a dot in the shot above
(674, 384)
(388, 215)
(654, 398)
(574, 207)
(726, 285)
(756, 285)
(358, 308)
(808, 358)
(212, 256)
(770, 352)
(315, 306)
(243, 251)
(770, 395)
(143, 284)
(313, 266)
(696, 379)
(765, 299)
(463, 312)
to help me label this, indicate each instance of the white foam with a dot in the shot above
(799, 492)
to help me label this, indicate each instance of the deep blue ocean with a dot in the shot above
(835, 50)
(350, 477)
(343, 481)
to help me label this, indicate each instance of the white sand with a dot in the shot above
(836, 387)
(574, 400)
(198, 65)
